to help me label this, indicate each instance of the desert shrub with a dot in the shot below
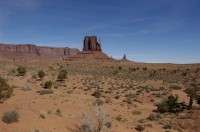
(129, 98)
(139, 128)
(167, 126)
(152, 117)
(168, 105)
(184, 74)
(98, 102)
(120, 67)
(41, 74)
(45, 91)
(136, 112)
(58, 112)
(5, 90)
(108, 124)
(175, 87)
(117, 97)
(144, 68)
(97, 93)
(108, 100)
(21, 70)
(34, 76)
(10, 116)
(96, 123)
(48, 84)
(119, 118)
(62, 75)
(193, 92)
(198, 100)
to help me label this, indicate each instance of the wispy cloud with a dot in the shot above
(8, 7)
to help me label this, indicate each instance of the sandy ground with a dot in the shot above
(74, 96)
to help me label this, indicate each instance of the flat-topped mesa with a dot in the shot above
(30, 51)
(90, 43)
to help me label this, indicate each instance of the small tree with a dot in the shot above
(21, 70)
(192, 92)
(41, 74)
(5, 90)
(62, 75)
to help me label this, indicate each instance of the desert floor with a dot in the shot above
(126, 97)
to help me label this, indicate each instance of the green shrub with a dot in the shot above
(139, 128)
(5, 90)
(62, 75)
(41, 74)
(10, 116)
(21, 70)
(48, 84)
(168, 105)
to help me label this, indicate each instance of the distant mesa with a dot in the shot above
(31, 51)
(92, 49)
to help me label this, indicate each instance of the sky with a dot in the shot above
(159, 31)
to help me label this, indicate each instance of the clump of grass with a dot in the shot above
(10, 116)
(136, 112)
(45, 91)
(175, 87)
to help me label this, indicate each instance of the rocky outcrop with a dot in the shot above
(30, 51)
(91, 44)
(124, 59)
(91, 50)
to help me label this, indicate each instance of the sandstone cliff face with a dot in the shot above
(90, 44)
(91, 50)
(32, 51)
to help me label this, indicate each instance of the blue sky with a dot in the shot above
(144, 30)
